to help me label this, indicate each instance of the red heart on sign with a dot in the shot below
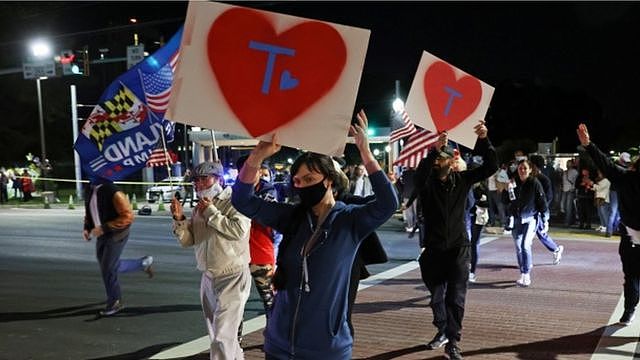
(450, 101)
(269, 79)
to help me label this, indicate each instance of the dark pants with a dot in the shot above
(476, 231)
(108, 253)
(445, 273)
(585, 209)
(630, 257)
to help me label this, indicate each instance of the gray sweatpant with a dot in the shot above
(223, 299)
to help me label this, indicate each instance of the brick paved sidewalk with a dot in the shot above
(561, 316)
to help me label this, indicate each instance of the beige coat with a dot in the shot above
(219, 235)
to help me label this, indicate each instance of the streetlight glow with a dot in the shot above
(398, 105)
(40, 49)
(376, 152)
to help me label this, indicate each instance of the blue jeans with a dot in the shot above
(544, 237)
(523, 239)
(568, 206)
(604, 212)
(614, 214)
(108, 253)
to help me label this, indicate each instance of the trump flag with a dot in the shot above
(128, 123)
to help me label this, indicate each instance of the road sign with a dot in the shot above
(34, 70)
(135, 54)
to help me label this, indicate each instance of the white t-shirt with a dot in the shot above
(569, 177)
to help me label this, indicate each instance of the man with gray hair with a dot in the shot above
(219, 235)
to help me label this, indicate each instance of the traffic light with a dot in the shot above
(70, 63)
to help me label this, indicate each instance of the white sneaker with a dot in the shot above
(506, 232)
(557, 255)
(147, 261)
(602, 229)
(472, 278)
(524, 281)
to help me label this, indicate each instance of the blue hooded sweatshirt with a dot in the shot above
(309, 316)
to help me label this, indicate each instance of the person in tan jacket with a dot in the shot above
(108, 218)
(219, 235)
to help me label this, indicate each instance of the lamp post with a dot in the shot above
(41, 50)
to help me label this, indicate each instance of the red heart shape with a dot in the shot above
(450, 101)
(320, 56)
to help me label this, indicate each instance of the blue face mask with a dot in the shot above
(312, 195)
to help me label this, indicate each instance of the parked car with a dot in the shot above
(166, 189)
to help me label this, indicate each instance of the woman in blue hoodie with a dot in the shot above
(321, 236)
(529, 206)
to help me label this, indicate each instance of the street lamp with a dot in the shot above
(41, 50)
(398, 105)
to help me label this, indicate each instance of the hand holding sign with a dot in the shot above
(481, 130)
(443, 98)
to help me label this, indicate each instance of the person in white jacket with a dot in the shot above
(219, 235)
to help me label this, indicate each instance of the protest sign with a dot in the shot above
(445, 98)
(256, 73)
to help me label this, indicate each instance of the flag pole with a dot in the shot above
(214, 151)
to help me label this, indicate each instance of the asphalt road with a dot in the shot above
(51, 288)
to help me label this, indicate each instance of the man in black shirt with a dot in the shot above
(445, 262)
(627, 183)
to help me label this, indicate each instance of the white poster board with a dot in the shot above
(445, 98)
(256, 73)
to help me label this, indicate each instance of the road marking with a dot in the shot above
(618, 342)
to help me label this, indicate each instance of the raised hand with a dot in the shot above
(443, 140)
(583, 135)
(481, 130)
(359, 131)
(176, 209)
(265, 149)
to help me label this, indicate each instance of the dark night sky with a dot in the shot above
(552, 64)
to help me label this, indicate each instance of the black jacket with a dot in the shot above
(530, 199)
(443, 203)
(627, 184)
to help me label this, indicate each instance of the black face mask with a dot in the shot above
(312, 195)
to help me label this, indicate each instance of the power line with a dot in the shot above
(101, 30)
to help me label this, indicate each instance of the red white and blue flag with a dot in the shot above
(128, 123)
(416, 148)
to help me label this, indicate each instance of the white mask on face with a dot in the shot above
(211, 192)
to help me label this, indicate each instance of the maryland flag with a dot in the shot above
(122, 112)
(126, 126)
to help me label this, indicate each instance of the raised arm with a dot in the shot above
(483, 148)
(376, 212)
(243, 198)
(424, 168)
(608, 168)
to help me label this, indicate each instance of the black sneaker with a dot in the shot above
(113, 309)
(437, 342)
(627, 317)
(452, 352)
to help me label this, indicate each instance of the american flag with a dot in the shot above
(416, 148)
(406, 128)
(157, 85)
(159, 157)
